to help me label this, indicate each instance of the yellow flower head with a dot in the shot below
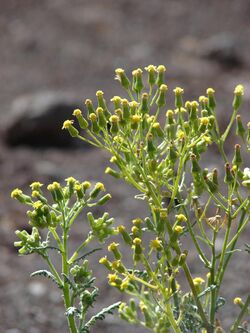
(92, 117)
(77, 112)
(178, 229)
(198, 281)
(112, 279)
(163, 88)
(237, 301)
(151, 68)
(67, 124)
(54, 186)
(181, 218)
(114, 119)
(103, 260)
(156, 244)
(204, 120)
(36, 186)
(86, 185)
(135, 119)
(113, 246)
(178, 91)
(161, 69)
(100, 186)
(137, 241)
(99, 93)
(133, 104)
(16, 193)
(37, 205)
(210, 91)
(116, 99)
(170, 113)
(239, 90)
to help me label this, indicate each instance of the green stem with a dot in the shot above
(225, 134)
(172, 319)
(208, 327)
(65, 271)
(240, 317)
(53, 270)
(212, 279)
(78, 250)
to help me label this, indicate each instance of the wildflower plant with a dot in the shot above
(160, 151)
(51, 222)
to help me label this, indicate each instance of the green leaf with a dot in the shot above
(48, 275)
(87, 254)
(207, 290)
(99, 316)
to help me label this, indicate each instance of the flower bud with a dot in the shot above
(137, 85)
(117, 102)
(240, 130)
(99, 187)
(237, 160)
(149, 224)
(104, 199)
(18, 195)
(113, 247)
(114, 129)
(133, 107)
(195, 166)
(204, 102)
(90, 107)
(102, 122)
(178, 97)
(238, 93)
(95, 127)
(144, 108)
(170, 117)
(156, 129)
(238, 301)
(102, 103)
(161, 100)
(125, 235)
(82, 122)
(211, 99)
(161, 75)
(228, 175)
(56, 191)
(104, 261)
(112, 173)
(150, 145)
(148, 320)
(152, 71)
(137, 246)
(125, 109)
(156, 244)
(68, 125)
(118, 267)
(122, 77)
(213, 188)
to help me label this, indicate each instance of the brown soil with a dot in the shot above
(74, 46)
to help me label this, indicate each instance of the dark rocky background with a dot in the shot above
(54, 54)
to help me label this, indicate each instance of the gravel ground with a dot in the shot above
(73, 46)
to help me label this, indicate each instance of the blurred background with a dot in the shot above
(56, 53)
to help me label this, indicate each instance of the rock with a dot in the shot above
(224, 49)
(36, 120)
(37, 289)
